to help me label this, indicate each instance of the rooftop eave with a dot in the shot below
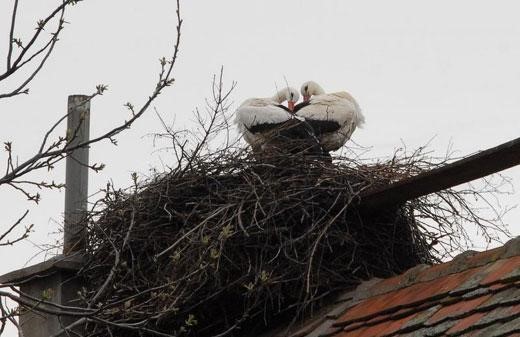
(72, 262)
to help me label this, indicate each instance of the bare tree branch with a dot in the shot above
(21, 59)
(11, 34)
(11, 228)
(52, 149)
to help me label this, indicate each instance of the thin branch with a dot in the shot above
(11, 34)
(11, 228)
(41, 26)
(49, 47)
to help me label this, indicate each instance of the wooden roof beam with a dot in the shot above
(462, 171)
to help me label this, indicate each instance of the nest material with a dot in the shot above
(228, 243)
(232, 246)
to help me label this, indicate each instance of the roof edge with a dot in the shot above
(423, 273)
(72, 262)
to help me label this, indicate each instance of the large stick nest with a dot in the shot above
(243, 242)
(228, 243)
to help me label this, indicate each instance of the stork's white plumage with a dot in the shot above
(334, 117)
(255, 115)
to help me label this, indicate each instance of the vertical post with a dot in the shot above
(56, 280)
(76, 180)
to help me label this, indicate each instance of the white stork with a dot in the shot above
(334, 117)
(262, 119)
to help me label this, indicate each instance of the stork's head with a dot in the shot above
(288, 94)
(310, 88)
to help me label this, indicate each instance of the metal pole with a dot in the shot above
(76, 180)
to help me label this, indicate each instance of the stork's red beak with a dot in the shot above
(290, 105)
(306, 98)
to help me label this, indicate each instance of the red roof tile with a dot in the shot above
(465, 323)
(457, 309)
(504, 268)
(476, 294)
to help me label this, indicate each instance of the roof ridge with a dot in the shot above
(464, 261)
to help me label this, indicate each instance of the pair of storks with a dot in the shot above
(321, 123)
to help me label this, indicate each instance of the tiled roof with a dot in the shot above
(476, 294)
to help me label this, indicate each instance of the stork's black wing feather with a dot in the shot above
(299, 136)
(300, 105)
(285, 108)
(292, 128)
(265, 127)
(297, 129)
(296, 107)
(294, 134)
(321, 126)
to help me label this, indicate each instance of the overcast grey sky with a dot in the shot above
(446, 70)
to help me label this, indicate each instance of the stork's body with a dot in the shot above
(264, 121)
(334, 117)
